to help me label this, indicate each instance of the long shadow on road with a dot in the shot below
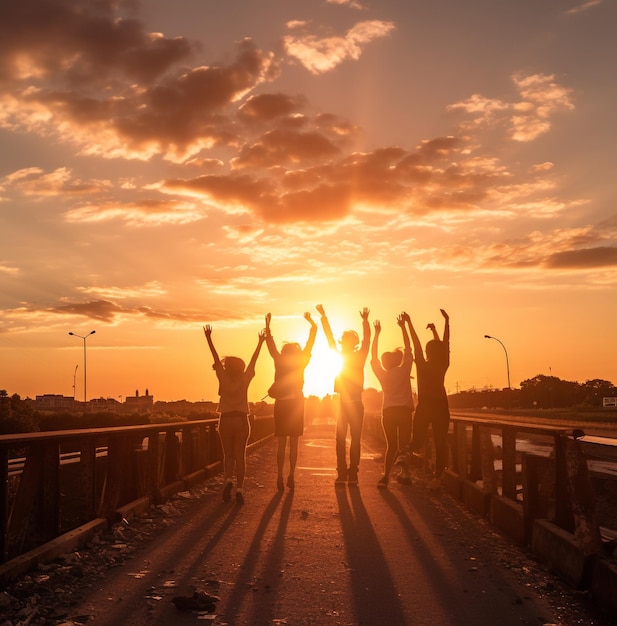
(374, 592)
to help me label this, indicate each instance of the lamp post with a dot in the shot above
(74, 377)
(84, 337)
(507, 365)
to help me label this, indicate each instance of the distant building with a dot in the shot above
(139, 403)
(606, 402)
(102, 404)
(54, 402)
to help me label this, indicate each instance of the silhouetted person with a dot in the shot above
(349, 385)
(394, 375)
(432, 398)
(233, 408)
(289, 366)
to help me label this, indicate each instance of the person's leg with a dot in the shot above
(280, 454)
(356, 418)
(441, 425)
(241, 436)
(403, 427)
(293, 460)
(390, 431)
(420, 428)
(342, 424)
(227, 443)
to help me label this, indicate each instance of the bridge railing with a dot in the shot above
(53, 482)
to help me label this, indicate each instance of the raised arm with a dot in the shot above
(208, 333)
(325, 324)
(400, 320)
(251, 366)
(375, 348)
(417, 346)
(366, 332)
(432, 328)
(274, 353)
(310, 342)
(446, 331)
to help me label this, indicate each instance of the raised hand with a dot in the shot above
(207, 330)
(364, 313)
(445, 315)
(377, 326)
(262, 335)
(309, 319)
(405, 317)
(400, 320)
(320, 309)
(431, 326)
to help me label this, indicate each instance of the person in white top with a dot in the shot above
(394, 375)
(233, 408)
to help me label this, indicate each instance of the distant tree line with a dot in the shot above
(539, 392)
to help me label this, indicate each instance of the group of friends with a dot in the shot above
(405, 426)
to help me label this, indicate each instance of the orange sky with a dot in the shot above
(166, 165)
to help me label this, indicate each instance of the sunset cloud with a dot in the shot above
(323, 54)
(524, 120)
(584, 259)
(86, 76)
(144, 213)
(584, 6)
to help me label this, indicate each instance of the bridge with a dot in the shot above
(319, 554)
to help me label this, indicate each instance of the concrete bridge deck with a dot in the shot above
(328, 556)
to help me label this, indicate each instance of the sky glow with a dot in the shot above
(167, 165)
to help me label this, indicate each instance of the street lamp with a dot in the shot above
(507, 362)
(84, 337)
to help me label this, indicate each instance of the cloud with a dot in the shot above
(322, 54)
(138, 213)
(35, 182)
(284, 146)
(108, 312)
(267, 107)
(5, 268)
(88, 74)
(151, 289)
(585, 6)
(101, 310)
(87, 43)
(352, 4)
(310, 180)
(604, 256)
(525, 120)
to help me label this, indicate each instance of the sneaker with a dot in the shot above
(382, 483)
(352, 478)
(341, 477)
(404, 479)
(291, 483)
(227, 491)
(239, 497)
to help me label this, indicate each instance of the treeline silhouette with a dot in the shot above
(539, 392)
(17, 415)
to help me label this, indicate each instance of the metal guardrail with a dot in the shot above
(53, 482)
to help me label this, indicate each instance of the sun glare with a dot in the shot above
(320, 373)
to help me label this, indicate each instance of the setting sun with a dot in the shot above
(323, 368)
